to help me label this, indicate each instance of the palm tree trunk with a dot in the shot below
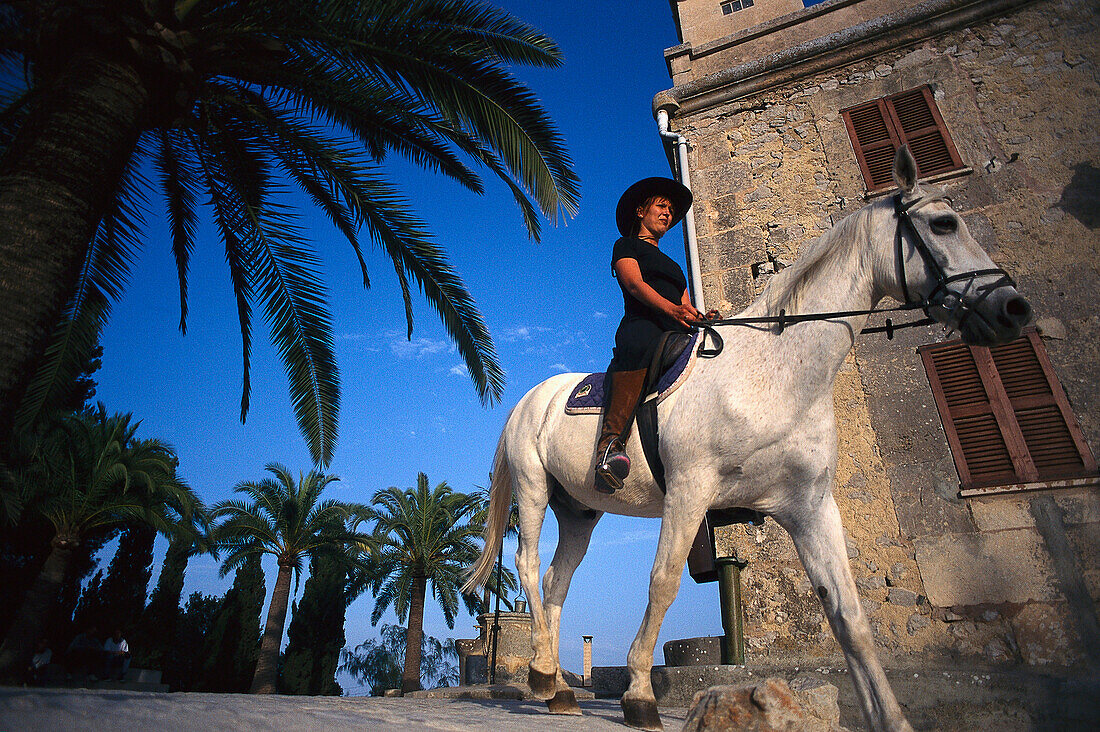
(267, 664)
(410, 679)
(56, 180)
(27, 626)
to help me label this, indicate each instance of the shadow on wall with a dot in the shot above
(1081, 198)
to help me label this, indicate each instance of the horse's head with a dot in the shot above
(938, 263)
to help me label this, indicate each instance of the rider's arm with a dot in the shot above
(630, 276)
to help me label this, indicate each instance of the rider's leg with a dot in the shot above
(624, 389)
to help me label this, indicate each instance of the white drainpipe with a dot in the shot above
(689, 221)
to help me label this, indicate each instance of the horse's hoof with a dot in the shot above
(564, 702)
(543, 686)
(641, 714)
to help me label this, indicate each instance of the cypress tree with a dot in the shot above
(183, 665)
(126, 585)
(317, 631)
(233, 643)
(156, 632)
(89, 609)
(117, 599)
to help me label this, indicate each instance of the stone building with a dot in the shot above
(789, 112)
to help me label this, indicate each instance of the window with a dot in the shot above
(732, 6)
(877, 129)
(1007, 420)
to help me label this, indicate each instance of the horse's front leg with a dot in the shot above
(814, 525)
(678, 528)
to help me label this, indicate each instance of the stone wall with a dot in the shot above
(772, 170)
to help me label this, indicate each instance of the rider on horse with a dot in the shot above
(655, 300)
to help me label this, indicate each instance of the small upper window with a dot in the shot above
(877, 129)
(732, 6)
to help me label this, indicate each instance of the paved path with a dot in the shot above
(52, 710)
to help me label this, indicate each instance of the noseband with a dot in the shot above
(941, 292)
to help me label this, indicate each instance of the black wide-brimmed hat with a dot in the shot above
(626, 211)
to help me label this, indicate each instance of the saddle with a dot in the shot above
(669, 368)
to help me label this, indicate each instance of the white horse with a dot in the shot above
(752, 427)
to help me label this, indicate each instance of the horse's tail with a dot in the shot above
(500, 505)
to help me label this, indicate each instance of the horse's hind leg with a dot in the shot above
(532, 496)
(575, 525)
(819, 537)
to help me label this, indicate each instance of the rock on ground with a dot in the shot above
(766, 706)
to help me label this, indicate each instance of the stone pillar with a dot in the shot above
(587, 678)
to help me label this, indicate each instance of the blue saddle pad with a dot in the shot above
(588, 396)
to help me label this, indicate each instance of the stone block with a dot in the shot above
(998, 515)
(1045, 634)
(765, 706)
(977, 569)
(706, 651)
(902, 596)
(1079, 508)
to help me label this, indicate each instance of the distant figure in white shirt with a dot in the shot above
(117, 661)
(36, 671)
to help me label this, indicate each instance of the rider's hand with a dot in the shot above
(713, 314)
(686, 315)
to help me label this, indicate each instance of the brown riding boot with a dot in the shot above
(624, 389)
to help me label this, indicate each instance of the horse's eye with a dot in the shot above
(944, 225)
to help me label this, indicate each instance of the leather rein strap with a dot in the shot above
(901, 212)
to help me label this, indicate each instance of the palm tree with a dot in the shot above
(92, 473)
(228, 103)
(288, 520)
(424, 536)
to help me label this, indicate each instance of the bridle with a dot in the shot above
(957, 312)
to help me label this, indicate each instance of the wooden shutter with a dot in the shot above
(1006, 418)
(877, 129)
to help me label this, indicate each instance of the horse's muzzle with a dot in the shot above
(997, 319)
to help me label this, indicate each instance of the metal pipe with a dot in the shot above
(681, 144)
(729, 592)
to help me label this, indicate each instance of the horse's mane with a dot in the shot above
(785, 290)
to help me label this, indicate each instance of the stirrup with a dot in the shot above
(612, 467)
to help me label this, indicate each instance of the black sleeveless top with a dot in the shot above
(659, 271)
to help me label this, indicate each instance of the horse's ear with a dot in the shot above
(905, 169)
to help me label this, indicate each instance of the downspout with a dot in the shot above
(681, 144)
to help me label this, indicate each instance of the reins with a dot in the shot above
(901, 211)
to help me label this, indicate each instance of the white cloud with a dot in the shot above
(625, 538)
(598, 314)
(417, 347)
(560, 368)
(459, 369)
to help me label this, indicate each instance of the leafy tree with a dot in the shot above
(289, 521)
(316, 632)
(228, 101)
(379, 663)
(230, 649)
(426, 536)
(92, 473)
(182, 668)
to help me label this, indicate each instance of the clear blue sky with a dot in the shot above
(408, 406)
